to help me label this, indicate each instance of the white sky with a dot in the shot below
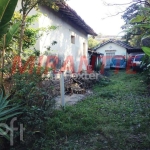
(92, 12)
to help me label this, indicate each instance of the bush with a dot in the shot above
(146, 68)
(29, 90)
(7, 111)
(38, 105)
(33, 120)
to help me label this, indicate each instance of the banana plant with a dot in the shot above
(7, 8)
(6, 111)
(146, 50)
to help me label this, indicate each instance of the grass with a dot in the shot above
(115, 117)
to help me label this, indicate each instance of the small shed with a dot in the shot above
(114, 47)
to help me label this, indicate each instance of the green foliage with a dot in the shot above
(6, 33)
(6, 13)
(146, 50)
(37, 99)
(137, 24)
(92, 42)
(98, 65)
(29, 90)
(11, 32)
(138, 30)
(146, 65)
(137, 19)
(34, 120)
(30, 37)
(117, 113)
(30, 34)
(7, 111)
(12, 37)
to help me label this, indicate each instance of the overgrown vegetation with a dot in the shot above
(7, 111)
(115, 117)
(24, 87)
(137, 29)
(92, 42)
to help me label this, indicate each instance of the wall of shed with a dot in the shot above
(110, 47)
(62, 35)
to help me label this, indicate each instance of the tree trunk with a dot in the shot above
(3, 61)
(21, 34)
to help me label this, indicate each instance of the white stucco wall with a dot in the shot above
(62, 35)
(110, 48)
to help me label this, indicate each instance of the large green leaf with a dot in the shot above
(4, 29)
(3, 6)
(137, 19)
(7, 114)
(146, 50)
(142, 25)
(9, 8)
(11, 32)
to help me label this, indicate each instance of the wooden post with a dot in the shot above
(62, 92)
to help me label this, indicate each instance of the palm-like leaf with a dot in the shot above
(7, 8)
(11, 32)
(146, 50)
(6, 111)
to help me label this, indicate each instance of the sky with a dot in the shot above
(96, 15)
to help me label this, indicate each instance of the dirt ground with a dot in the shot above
(72, 99)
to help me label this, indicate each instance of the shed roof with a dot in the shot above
(120, 43)
(67, 11)
(129, 48)
(94, 52)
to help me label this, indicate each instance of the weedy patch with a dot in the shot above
(116, 116)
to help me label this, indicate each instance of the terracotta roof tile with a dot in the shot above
(73, 16)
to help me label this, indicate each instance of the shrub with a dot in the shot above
(146, 65)
(7, 111)
(38, 104)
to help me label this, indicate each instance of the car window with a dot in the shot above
(138, 57)
(118, 58)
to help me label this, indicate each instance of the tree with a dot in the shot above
(26, 7)
(136, 20)
(92, 42)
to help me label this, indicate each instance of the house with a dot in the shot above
(70, 37)
(114, 47)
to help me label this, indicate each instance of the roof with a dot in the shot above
(120, 43)
(129, 48)
(67, 11)
(94, 52)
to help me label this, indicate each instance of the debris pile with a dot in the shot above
(73, 84)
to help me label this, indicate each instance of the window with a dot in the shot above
(84, 49)
(138, 57)
(72, 39)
